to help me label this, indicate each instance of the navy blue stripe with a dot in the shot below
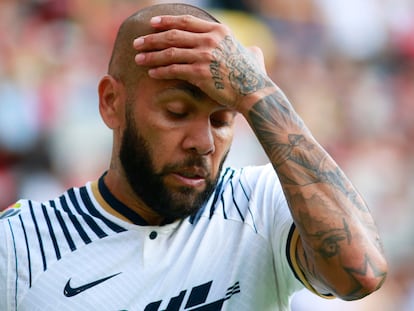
(288, 246)
(289, 259)
(241, 185)
(62, 223)
(84, 236)
(118, 206)
(217, 193)
(15, 263)
(29, 263)
(253, 220)
(234, 201)
(88, 219)
(248, 205)
(222, 196)
(94, 212)
(42, 251)
(223, 205)
(51, 232)
(195, 217)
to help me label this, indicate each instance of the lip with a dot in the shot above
(193, 181)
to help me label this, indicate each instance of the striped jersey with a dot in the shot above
(70, 253)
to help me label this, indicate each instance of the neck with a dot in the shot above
(119, 187)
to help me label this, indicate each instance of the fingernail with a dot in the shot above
(156, 20)
(138, 42)
(139, 58)
(151, 73)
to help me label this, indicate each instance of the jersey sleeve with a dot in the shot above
(280, 230)
(273, 221)
(7, 255)
(291, 246)
(3, 265)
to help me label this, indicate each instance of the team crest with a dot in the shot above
(10, 211)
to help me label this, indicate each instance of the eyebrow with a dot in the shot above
(190, 89)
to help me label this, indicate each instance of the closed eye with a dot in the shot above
(219, 123)
(177, 115)
(222, 118)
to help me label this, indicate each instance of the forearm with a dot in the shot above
(341, 249)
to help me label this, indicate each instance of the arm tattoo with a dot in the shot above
(369, 268)
(330, 238)
(325, 206)
(272, 119)
(242, 73)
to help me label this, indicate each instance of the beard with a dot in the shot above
(149, 186)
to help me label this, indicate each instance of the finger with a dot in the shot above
(188, 72)
(200, 77)
(170, 38)
(183, 22)
(167, 57)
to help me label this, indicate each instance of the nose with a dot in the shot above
(199, 138)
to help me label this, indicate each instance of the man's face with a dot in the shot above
(173, 147)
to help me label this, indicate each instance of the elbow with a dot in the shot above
(368, 282)
(364, 290)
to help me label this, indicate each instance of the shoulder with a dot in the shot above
(15, 211)
(75, 210)
(249, 195)
(242, 183)
(255, 183)
(11, 210)
(250, 176)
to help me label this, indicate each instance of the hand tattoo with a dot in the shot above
(243, 74)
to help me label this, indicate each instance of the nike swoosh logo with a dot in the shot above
(70, 291)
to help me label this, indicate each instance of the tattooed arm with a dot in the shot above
(339, 250)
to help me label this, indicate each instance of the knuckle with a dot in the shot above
(222, 29)
(210, 41)
(173, 35)
(199, 71)
(170, 52)
(206, 55)
(186, 20)
(226, 29)
(174, 69)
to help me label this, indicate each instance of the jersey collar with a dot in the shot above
(112, 203)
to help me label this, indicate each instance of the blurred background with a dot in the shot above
(347, 66)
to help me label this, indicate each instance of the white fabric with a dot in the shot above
(231, 256)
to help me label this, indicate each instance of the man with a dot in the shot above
(165, 228)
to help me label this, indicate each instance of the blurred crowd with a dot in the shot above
(347, 66)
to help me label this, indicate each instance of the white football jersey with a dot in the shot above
(69, 253)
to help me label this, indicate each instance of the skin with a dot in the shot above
(339, 250)
(188, 136)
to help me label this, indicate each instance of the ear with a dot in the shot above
(111, 101)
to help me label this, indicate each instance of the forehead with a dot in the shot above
(154, 85)
(150, 90)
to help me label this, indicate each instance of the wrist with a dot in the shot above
(247, 102)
